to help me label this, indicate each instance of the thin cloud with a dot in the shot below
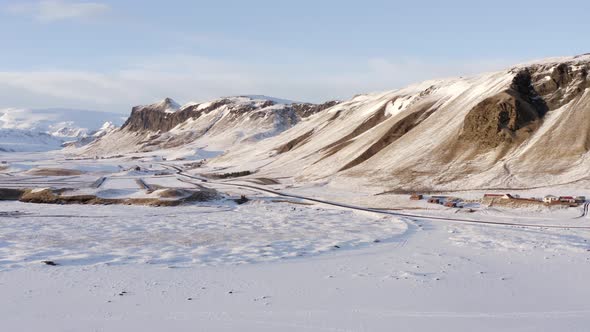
(192, 78)
(58, 10)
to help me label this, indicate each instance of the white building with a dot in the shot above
(550, 199)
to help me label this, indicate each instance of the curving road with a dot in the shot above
(180, 172)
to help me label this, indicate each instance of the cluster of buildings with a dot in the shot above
(549, 199)
(443, 200)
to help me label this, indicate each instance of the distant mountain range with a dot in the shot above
(48, 129)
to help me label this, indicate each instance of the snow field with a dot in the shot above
(181, 236)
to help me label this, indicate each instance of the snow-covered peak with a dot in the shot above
(255, 100)
(166, 105)
(106, 128)
(67, 129)
(273, 99)
(577, 59)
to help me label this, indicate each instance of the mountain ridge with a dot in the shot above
(491, 130)
(518, 127)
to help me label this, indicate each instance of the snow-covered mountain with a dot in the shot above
(216, 125)
(17, 140)
(48, 129)
(525, 126)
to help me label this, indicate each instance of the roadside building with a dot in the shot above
(550, 199)
(567, 199)
(580, 199)
(416, 197)
(451, 204)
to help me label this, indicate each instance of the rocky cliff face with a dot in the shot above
(222, 122)
(162, 117)
(507, 117)
(511, 116)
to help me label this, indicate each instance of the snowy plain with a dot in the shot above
(276, 263)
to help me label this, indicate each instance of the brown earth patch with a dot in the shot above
(264, 181)
(506, 118)
(173, 193)
(369, 123)
(227, 175)
(294, 143)
(54, 172)
(49, 196)
(514, 202)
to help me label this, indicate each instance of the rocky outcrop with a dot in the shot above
(224, 121)
(560, 84)
(513, 115)
(304, 110)
(158, 117)
(506, 117)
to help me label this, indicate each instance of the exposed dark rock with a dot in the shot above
(50, 263)
(242, 200)
(563, 83)
(305, 110)
(154, 118)
(507, 117)
(294, 143)
(10, 194)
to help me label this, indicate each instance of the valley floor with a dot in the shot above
(283, 264)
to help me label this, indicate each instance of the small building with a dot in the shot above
(416, 197)
(451, 204)
(567, 199)
(550, 199)
(434, 200)
(580, 199)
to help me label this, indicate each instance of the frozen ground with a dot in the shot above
(181, 236)
(430, 276)
(276, 264)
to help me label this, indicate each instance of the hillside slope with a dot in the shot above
(522, 127)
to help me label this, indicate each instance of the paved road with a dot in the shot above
(180, 172)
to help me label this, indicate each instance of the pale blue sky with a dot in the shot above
(110, 55)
